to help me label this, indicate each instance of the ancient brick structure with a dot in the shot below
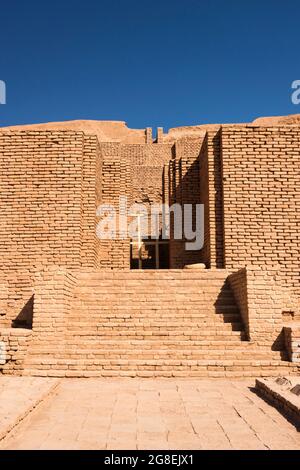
(72, 304)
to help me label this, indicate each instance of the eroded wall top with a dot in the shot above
(118, 131)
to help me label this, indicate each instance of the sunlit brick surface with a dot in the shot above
(69, 304)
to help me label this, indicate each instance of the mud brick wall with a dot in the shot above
(135, 171)
(212, 196)
(91, 193)
(98, 176)
(292, 341)
(116, 182)
(147, 154)
(177, 249)
(147, 164)
(147, 185)
(54, 289)
(47, 199)
(262, 301)
(184, 187)
(40, 198)
(205, 254)
(261, 182)
(238, 284)
(166, 183)
(14, 345)
(16, 298)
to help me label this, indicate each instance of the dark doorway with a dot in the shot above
(149, 254)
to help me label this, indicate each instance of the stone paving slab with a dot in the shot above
(18, 397)
(154, 414)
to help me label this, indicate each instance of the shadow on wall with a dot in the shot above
(25, 317)
(279, 345)
(218, 202)
(226, 307)
(184, 188)
(195, 177)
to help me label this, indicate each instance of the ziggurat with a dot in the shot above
(76, 306)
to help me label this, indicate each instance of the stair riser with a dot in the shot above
(231, 335)
(163, 326)
(172, 323)
(92, 358)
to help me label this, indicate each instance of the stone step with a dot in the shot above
(152, 336)
(168, 343)
(148, 293)
(86, 312)
(209, 283)
(139, 322)
(144, 344)
(192, 315)
(216, 373)
(162, 312)
(154, 305)
(165, 368)
(156, 320)
(147, 290)
(93, 354)
(153, 325)
(211, 275)
(153, 315)
(136, 362)
(160, 289)
(155, 297)
(132, 306)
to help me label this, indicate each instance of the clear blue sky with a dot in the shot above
(150, 63)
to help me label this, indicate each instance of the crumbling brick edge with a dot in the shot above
(12, 427)
(283, 401)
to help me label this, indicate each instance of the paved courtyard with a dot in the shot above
(149, 414)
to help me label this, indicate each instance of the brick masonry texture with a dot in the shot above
(71, 306)
(13, 349)
(261, 180)
(168, 323)
(292, 341)
(48, 199)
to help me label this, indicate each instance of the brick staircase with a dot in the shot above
(154, 323)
